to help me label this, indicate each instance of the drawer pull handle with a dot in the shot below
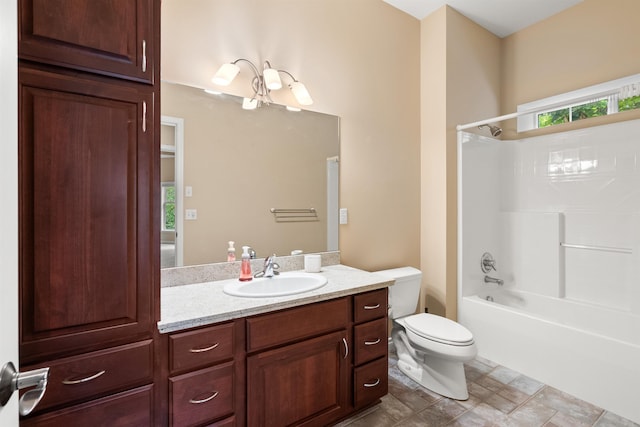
(373, 384)
(346, 348)
(202, 350)
(371, 307)
(83, 380)
(205, 400)
(372, 342)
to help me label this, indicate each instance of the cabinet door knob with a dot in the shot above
(373, 384)
(83, 380)
(202, 350)
(372, 342)
(205, 400)
(371, 307)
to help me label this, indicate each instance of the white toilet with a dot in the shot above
(431, 349)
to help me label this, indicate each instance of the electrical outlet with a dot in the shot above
(191, 214)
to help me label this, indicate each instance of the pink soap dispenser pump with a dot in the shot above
(245, 267)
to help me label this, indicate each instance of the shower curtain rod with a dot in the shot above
(538, 110)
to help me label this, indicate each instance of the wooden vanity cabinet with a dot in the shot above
(310, 365)
(88, 154)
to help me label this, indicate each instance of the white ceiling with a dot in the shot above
(501, 17)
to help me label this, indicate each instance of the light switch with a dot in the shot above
(344, 216)
(188, 191)
(190, 214)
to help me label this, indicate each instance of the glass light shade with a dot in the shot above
(301, 93)
(272, 79)
(249, 103)
(226, 74)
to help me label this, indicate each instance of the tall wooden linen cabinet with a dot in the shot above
(88, 184)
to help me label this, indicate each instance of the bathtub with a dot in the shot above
(588, 351)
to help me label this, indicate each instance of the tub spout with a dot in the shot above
(489, 279)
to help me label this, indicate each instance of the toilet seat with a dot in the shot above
(438, 329)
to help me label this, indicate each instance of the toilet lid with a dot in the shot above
(438, 328)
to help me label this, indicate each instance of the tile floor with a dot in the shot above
(498, 397)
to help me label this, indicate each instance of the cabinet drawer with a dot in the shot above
(371, 382)
(293, 324)
(370, 305)
(203, 395)
(77, 378)
(129, 408)
(370, 341)
(201, 347)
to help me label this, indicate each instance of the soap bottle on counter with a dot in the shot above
(231, 252)
(245, 267)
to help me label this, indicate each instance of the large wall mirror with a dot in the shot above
(224, 171)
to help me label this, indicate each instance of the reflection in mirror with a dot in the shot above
(224, 169)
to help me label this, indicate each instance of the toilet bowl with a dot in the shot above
(431, 349)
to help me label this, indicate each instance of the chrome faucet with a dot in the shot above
(270, 267)
(489, 279)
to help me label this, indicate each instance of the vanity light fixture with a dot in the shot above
(262, 84)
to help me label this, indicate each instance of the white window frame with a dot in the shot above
(529, 121)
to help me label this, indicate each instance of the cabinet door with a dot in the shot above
(86, 160)
(301, 384)
(113, 37)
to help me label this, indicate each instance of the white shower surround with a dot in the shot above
(519, 200)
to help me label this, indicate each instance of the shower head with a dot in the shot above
(495, 130)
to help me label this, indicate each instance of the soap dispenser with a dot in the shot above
(231, 252)
(245, 267)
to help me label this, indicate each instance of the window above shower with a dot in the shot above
(593, 101)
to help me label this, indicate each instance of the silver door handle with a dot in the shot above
(346, 348)
(11, 380)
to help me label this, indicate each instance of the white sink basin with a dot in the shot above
(287, 283)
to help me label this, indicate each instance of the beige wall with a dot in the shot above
(460, 83)
(360, 60)
(590, 43)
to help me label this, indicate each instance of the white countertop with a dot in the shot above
(199, 304)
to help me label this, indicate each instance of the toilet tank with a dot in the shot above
(404, 294)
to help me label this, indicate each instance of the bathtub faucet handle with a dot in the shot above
(487, 263)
